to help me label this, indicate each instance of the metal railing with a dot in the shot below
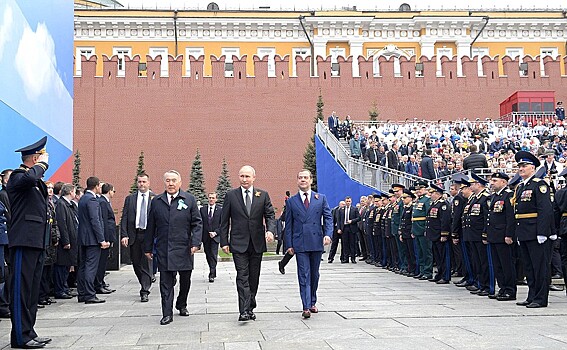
(529, 117)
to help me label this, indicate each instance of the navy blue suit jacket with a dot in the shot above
(304, 230)
(108, 220)
(91, 229)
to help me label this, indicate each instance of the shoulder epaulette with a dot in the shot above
(508, 190)
(536, 179)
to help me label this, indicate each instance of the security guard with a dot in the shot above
(28, 236)
(474, 232)
(500, 230)
(534, 216)
(396, 218)
(560, 213)
(437, 226)
(424, 254)
(405, 235)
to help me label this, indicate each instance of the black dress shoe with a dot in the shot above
(556, 277)
(103, 291)
(554, 288)
(472, 288)
(166, 320)
(154, 279)
(535, 305)
(183, 312)
(523, 303)
(39, 306)
(144, 298)
(424, 278)
(463, 284)
(63, 296)
(281, 268)
(442, 282)
(44, 340)
(32, 344)
(252, 315)
(211, 279)
(330, 261)
(483, 293)
(244, 316)
(95, 300)
(44, 302)
(492, 296)
(460, 281)
(433, 279)
(417, 277)
(344, 261)
(505, 297)
(353, 261)
(5, 315)
(109, 289)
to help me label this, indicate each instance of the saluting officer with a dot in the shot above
(419, 214)
(534, 215)
(405, 235)
(437, 228)
(500, 230)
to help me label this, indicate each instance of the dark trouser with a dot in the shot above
(363, 245)
(27, 266)
(101, 269)
(377, 245)
(370, 247)
(286, 258)
(60, 275)
(166, 289)
(247, 278)
(457, 259)
(334, 245)
(518, 263)
(425, 256)
(88, 265)
(410, 255)
(402, 254)
(563, 251)
(555, 259)
(211, 252)
(504, 270)
(480, 265)
(141, 264)
(393, 260)
(535, 258)
(45, 284)
(466, 249)
(308, 276)
(279, 246)
(349, 242)
(4, 286)
(442, 257)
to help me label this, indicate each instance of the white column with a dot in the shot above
(463, 49)
(355, 51)
(427, 47)
(320, 46)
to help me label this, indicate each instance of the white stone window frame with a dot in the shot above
(271, 53)
(195, 52)
(302, 52)
(88, 52)
(121, 52)
(164, 66)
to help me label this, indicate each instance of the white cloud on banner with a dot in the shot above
(5, 29)
(36, 62)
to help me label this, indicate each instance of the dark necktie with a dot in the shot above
(210, 215)
(171, 198)
(143, 213)
(248, 202)
(306, 201)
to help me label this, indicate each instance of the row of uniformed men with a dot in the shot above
(405, 230)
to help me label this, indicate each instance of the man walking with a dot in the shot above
(309, 227)
(211, 215)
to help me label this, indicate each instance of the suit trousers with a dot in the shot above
(442, 257)
(334, 245)
(27, 267)
(361, 249)
(46, 281)
(308, 275)
(410, 255)
(563, 251)
(402, 253)
(247, 278)
(349, 241)
(425, 256)
(535, 258)
(60, 275)
(101, 269)
(88, 265)
(211, 249)
(166, 289)
(466, 249)
(504, 270)
(457, 264)
(141, 264)
(370, 246)
(480, 265)
(393, 260)
(377, 245)
(4, 285)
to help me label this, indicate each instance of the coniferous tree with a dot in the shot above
(77, 169)
(139, 171)
(197, 182)
(223, 185)
(310, 156)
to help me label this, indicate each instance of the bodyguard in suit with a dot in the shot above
(534, 215)
(247, 223)
(309, 227)
(28, 236)
(175, 223)
(211, 215)
(67, 249)
(347, 220)
(336, 235)
(109, 225)
(132, 229)
(91, 241)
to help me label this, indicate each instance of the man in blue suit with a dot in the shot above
(308, 227)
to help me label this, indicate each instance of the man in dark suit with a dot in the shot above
(28, 236)
(336, 236)
(67, 250)
(309, 226)
(132, 229)
(248, 213)
(333, 123)
(426, 165)
(109, 225)
(175, 222)
(91, 241)
(211, 215)
(348, 217)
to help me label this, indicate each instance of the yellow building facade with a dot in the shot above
(328, 33)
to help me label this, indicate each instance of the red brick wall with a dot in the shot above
(261, 121)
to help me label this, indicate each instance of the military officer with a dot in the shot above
(378, 232)
(368, 226)
(560, 213)
(534, 216)
(457, 208)
(396, 218)
(419, 215)
(393, 262)
(518, 263)
(500, 228)
(405, 235)
(437, 227)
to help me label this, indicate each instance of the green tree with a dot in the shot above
(223, 185)
(139, 171)
(310, 156)
(197, 182)
(77, 169)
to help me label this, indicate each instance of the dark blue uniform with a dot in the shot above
(460, 252)
(474, 227)
(560, 213)
(438, 225)
(407, 240)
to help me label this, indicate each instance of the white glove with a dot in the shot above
(553, 237)
(541, 239)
